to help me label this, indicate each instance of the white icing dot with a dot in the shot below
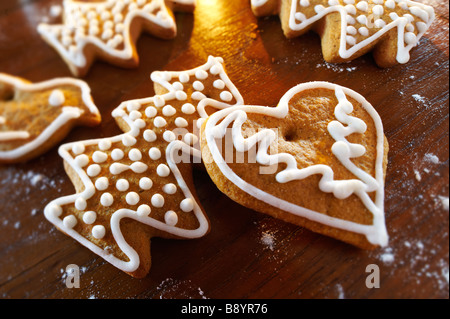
(184, 77)
(393, 16)
(145, 183)
(80, 203)
(409, 27)
(181, 122)
(180, 95)
(362, 19)
(55, 210)
(410, 38)
(134, 115)
(363, 6)
(132, 198)
(159, 121)
(117, 154)
(350, 19)
(143, 210)
(157, 200)
(379, 23)
(122, 185)
(169, 110)
(349, 1)
(178, 86)
(98, 231)
(138, 167)
(163, 170)
(133, 106)
(151, 112)
(171, 218)
(378, 10)
(390, 4)
(154, 153)
(421, 26)
(106, 199)
(78, 148)
(56, 98)
(93, 170)
(170, 189)
(187, 205)
(107, 34)
(226, 96)
(104, 144)
(333, 2)
(128, 140)
(70, 221)
(215, 69)
(219, 84)
(198, 96)
(159, 101)
(319, 8)
(188, 108)
(89, 217)
(82, 160)
(351, 30)
(350, 40)
(198, 86)
(135, 155)
(190, 139)
(363, 31)
(139, 123)
(102, 183)
(350, 9)
(201, 74)
(169, 136)
(149, 136)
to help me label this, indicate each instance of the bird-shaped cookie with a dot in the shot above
(36, 116)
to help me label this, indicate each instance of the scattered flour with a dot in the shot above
(444, 201)
(268, 240)
(336, 67)
(431, 158)
(173, 288)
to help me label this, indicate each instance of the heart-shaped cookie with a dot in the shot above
(317, 160)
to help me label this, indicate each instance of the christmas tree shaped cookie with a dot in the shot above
(317, 160)
(351, 28)
(139, 185)
(109, 29)
(36, 116)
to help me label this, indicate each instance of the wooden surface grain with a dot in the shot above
(247, 254)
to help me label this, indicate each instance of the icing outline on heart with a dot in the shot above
(376, 233)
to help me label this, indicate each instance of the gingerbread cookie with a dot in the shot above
(317, 160)
(34, 117)
(109, 30)
(139, 185)
(351, 28)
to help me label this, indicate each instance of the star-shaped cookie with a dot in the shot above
(139, 185)
(351, 28)
(109, 29)
(35, 116)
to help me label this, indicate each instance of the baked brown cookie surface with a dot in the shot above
(317, 160)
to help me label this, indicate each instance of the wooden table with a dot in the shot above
(247, 254)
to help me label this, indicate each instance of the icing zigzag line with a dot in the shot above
(342, 149)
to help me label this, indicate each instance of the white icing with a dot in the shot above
(171, 218)
(342, 149)
(348, 10)
(115, 19)
(56, 98)
(89, 217)
(163, 170)
(154, 153)
(122, 185)
(132, 198)
(98, 231)
(141, 212)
